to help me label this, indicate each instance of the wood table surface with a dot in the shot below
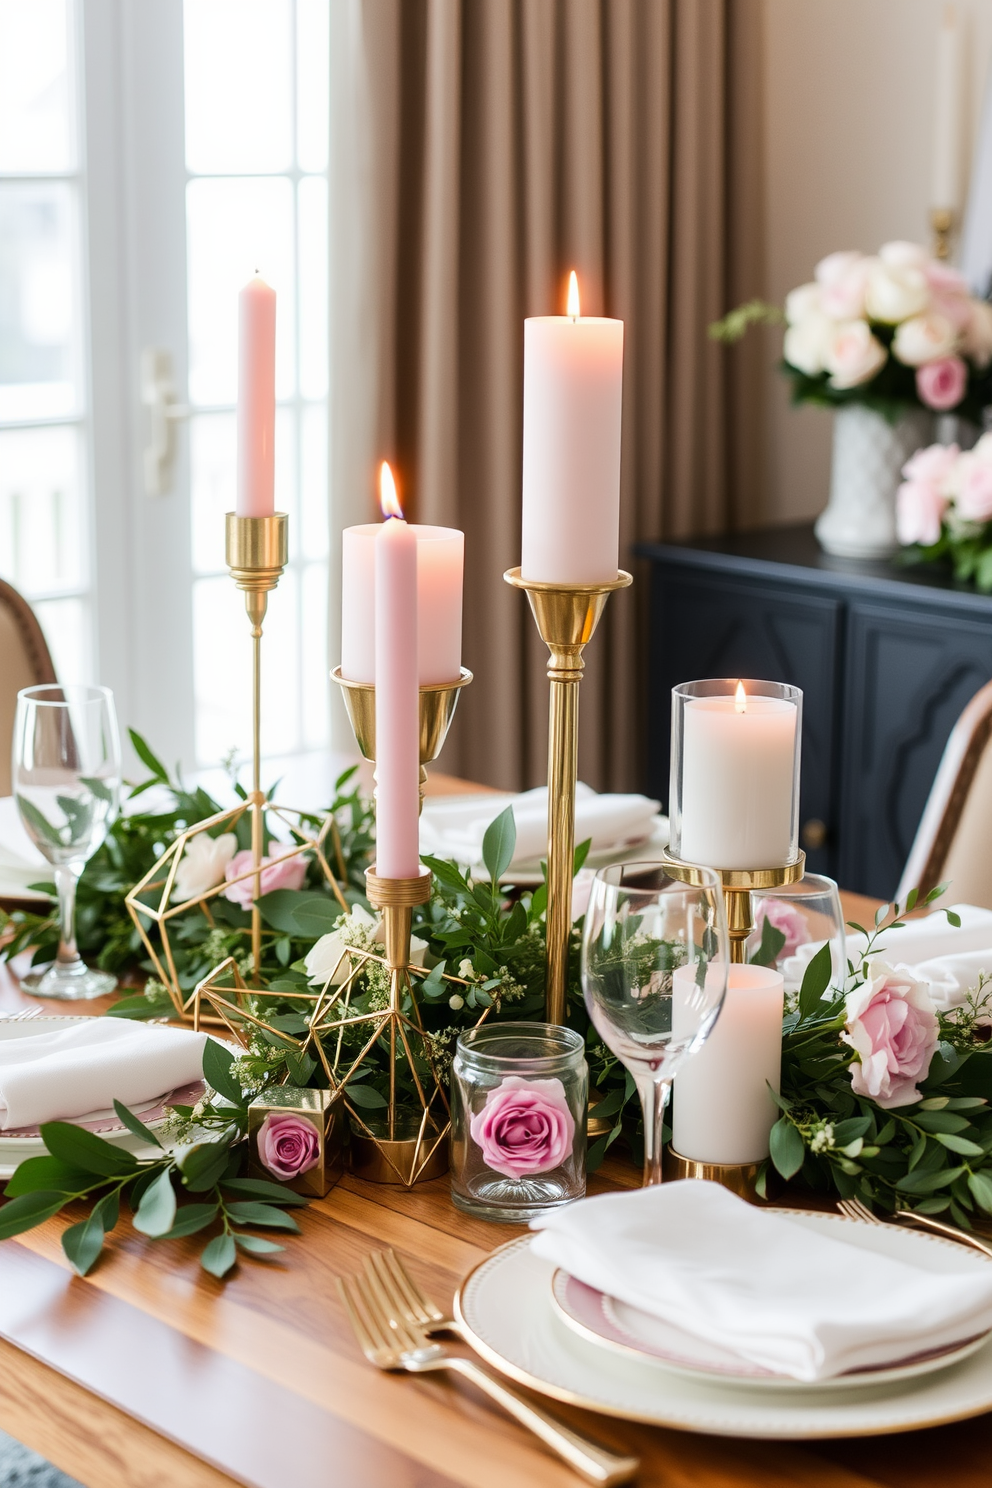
(148, 1373)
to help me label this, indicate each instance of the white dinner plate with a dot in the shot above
(505, 1306)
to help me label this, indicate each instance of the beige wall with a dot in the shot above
(848, 124)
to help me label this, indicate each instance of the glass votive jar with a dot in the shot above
(734, 795)
(518, 1120)
(793, 922)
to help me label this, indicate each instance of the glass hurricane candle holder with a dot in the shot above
(734, 797)
(792, 922)
(518, 1120)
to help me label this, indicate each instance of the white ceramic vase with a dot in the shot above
(869, 453)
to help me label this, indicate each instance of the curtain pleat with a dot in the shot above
(510, 141)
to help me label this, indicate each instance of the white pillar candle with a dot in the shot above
(256, 400)
(397, 704)
(573, 373)
(440, 565)
(738, 772)
(945, 186)
(722, 1111)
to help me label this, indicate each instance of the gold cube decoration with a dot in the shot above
(289, 1125)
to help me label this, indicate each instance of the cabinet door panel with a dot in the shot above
(703, 625)
(909, 674)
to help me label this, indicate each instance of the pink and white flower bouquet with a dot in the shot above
(944, 509)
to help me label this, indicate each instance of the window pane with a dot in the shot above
(38, 319)
(35, 125)
(314, 681)
(233, 229)
(312, 76)
(222, 677)
(66, 623)
(213, 480)
(313, 483)
(42, 524)
(238, 72)
(313, 287)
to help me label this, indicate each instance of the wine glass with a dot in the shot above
(67, 780)
(792, 923)
(654, 974)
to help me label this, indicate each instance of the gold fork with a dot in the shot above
(389, 1341)
(854, 1209)
(414, 1303)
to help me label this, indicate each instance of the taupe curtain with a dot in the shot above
(485, 147)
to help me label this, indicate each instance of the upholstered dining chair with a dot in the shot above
(954, 839)
(25, 661)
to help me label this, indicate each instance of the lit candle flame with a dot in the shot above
(388, 499)
(573, 296)
(740, 699)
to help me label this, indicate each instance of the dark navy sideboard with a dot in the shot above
(886, 656)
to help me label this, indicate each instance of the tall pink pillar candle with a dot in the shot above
(573, 374)
(397, 702)
(256, 400)
(440, 565)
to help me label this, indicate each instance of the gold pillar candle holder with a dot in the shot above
(438, 701)
(738, 885)
(566, 617)
(740, 1178)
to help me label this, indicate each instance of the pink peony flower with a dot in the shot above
(941, 384)
(920, 509)
(288, 1145)
(287, 873)
(892, 1027)
(974, 487)
(933, 465)
(525, 1127)
(784, 917)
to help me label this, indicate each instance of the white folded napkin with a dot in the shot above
(769, 1289)
(87, 1066)
(949, 958)
(454, 826)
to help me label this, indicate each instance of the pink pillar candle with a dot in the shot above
(440, 565)
(573, 372)
(256, 400)
(397, 702)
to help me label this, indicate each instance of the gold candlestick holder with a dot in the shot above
(566, 617)
(438, 701)
(257, 550)
(738, 886)
(942, 227)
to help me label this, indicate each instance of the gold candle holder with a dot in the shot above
(942, 226)
(738, 886)
(438, 701)
(566, 617)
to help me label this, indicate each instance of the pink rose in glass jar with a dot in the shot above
(288, 1145)
(284, 873)
(525, 1127)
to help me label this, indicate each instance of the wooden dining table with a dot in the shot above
(149, 1373)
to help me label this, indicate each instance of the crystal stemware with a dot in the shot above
(792, 922)
(66, 774)
(640, 927)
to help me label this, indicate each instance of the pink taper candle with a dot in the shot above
(397, 692)
(256, 400)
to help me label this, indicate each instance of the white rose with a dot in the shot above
(895, 292)
(924, 338)
(852, 355)
(202, 864)
(801, 302)
(806, 342)
(977, 340)
(328, 962)
(835, 266)
(904, 255)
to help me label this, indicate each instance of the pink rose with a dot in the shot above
(284, 873)
(974, 488)
(933, 465)
(524, 1127)
(288, 1145)
(941, 384)
(920, 509)
(852, 355)
(785, 917)
(892, 1028)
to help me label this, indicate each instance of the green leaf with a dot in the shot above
(219, 1256)
(980, 1185)
(580, 854)
(157, 1210)
(257, 1245)
(47, 1173)
(911, 899)
(446, 873)
(109, 1209)
(217, 1063)
(146, 757)
(33, 818)
(203, 1166)
(135, 1127)
(815, 981)
(27, 1211)
(364, 1095)
(300, 1066)
(960, 1145)
(99, 787)
(786, 1147)
(953, 918)
(190, 1219)
(279, 910)
(925, 1183)
(262, 1214)
(84, 1149)
(941, 1121)
(83, 1242)
(260, 1188)
(498, 843)
(772, 941)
